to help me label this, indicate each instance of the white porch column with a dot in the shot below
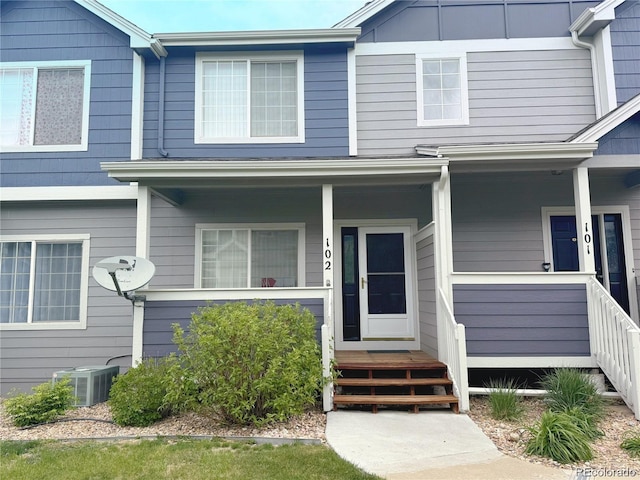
(328, 333)
(584, 229)
(143, 221)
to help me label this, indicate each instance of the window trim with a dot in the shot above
(201, 227)
(202, 57)
(84, 135)
(81, 323)
(464, 90)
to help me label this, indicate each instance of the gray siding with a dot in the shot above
(522, 96)
(497, 219)
(625, 42)
(30, 357)
(427, 296)
(523, 320)
(462, 19)
(173, 228)
(160, 316)
(622, 140)
(325, 105)
(45, 31)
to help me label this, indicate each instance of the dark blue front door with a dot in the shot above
(609, 254)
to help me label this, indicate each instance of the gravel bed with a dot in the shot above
(510, 437)
(310, 425)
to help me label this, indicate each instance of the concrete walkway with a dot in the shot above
(429, 445)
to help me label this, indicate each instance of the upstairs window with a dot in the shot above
(255, 99)
(43, 283)
(238, 256)
(442, 93)
(44, 107)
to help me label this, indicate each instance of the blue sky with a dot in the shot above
(163, 16)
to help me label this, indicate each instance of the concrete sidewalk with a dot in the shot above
(429, 445)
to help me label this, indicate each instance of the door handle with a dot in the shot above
(362, 282)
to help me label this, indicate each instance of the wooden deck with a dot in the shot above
(366, 360)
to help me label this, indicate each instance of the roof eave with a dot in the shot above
(595, 19)
(511, 152)
(259, 37)
(364, 13)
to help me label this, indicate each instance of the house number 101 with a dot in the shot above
(327, 256)
(587, 238)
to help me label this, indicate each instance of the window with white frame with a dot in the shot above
(45, 107)
(442, 91)
(43, 283)
(249, 98)
(239, 256)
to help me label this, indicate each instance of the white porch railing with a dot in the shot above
(455, 355)
(615, 343)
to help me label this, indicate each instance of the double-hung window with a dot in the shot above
(442, 93)
(255, 98)
(45, 106)
(43, 282)
(249, 256)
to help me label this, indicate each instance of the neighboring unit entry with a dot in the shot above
(123, 274)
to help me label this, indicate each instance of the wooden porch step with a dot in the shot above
(414, 400)
(390, 365)
(391, 382)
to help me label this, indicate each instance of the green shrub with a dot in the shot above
(568, 389)
(503, 399)
(47, 402)
(631, 443)
(253, 363)
(557, 436)
(587, 423)
(137, 398)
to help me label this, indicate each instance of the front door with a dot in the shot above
(608, 251)
(377, 300)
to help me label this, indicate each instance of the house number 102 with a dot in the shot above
(327, 256)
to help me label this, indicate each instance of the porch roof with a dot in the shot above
(270, 172)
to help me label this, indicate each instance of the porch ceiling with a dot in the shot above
(276, 173)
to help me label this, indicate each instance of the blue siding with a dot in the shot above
(622, 140)
(47, 31)
(625, 41)
(326, 110)
(523, 320)
(463, 19)
(159, 316)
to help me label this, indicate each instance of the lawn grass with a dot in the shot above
(171, 459)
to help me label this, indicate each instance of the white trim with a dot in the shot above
(604, 58)
(531, 362)
(177, 294)
(363, 167)
(364, 13)
(510, 152)
(143, 222)
(258, 37)
(445, 47)
(507, 278)
(45, 194)
(249, 57)
(624, 212)
(612, 161)
(137, 106)
(340, 344)
(352, 102)
(425, 232)
(86, 102)
(609, 122)
(81, 323)
(464, 90)
(584, 229)
(299, 227)
(328, 260)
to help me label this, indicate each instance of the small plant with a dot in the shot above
(254, 363)
(504, 400)
(557, 436)
(568, 389)
(631, 443)
(586, 422)
(137, 398)
(47, 402)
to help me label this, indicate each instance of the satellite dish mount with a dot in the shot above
(124, 274)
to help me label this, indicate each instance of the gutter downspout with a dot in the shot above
(161, 95)
(594, 70)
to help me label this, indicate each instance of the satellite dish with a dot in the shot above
(123, 273)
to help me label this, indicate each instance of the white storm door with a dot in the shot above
(386, 301)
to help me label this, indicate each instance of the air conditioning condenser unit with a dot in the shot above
(91, 385)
